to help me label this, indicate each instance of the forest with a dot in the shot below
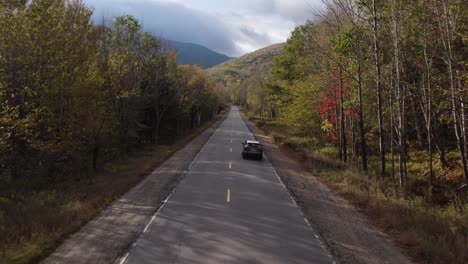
(376, 78)
(380, 86)
(75, 95)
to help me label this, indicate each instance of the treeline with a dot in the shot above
(381, 81)
(74, 95)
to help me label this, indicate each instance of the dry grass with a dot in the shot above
(32, 226)
(426, 231)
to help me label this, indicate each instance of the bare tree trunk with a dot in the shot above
(426, 107)
(392, 137)
(353, 137)
(417, 125)
(337, 126)
(428, 97)
(379, 89)
(342, 118)
(362, 133)
(401, 94)
(463, 114)
(440, 150)
(402, 137)
(429, 140)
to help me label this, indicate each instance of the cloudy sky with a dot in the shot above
(232, 27)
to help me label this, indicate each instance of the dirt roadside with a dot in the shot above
(111, 233)
(348, 234)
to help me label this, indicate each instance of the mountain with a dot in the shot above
(241, 74)
(189, 53)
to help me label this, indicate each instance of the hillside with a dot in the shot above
(246, 72)
(189, 53)
(243, 68)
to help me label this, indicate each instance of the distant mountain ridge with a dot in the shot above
(190, 53)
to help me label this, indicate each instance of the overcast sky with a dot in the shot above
(232, 27)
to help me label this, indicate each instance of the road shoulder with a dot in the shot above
(112, 232)
(348, 234)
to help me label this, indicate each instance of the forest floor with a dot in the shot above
(363, 220)
(39, 223)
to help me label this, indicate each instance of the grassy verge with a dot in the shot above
(431, 225)
(36, 223)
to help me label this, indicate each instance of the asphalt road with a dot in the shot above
(228, 210)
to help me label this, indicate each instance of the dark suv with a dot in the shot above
(252, 148)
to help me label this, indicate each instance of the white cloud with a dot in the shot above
(232, 27)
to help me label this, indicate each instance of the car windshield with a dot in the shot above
(254, 145)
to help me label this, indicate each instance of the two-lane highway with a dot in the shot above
(228, 210)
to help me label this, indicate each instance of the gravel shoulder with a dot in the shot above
(348, 234)
(111, 233)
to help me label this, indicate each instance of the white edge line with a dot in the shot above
(204, 146)
(169, 196)
(300, 210)
(292, 198)
(151, 221)
(123, 259)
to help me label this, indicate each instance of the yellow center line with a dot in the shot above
(228, 196)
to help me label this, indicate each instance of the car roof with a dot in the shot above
(252, 142)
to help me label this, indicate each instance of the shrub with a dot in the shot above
(260, 123)
(277, 138)
(304, 142)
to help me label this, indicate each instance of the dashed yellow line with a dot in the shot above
(228, 196)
